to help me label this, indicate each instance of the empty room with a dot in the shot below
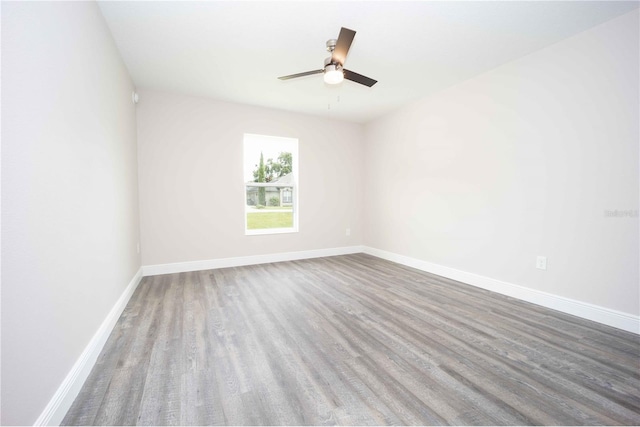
(320, 213)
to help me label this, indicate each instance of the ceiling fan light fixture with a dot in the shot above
(333, 74)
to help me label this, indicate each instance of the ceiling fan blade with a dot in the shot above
(359, 78)
(342, 45)
(306, 73)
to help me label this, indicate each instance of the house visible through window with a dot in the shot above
(270, 181)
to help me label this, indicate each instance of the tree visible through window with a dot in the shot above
(270, 174)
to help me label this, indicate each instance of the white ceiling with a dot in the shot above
(235, 50)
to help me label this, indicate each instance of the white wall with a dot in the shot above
(519, 162)
(69, 193)
(192, 187)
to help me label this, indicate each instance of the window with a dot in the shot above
(286, 196)
(270, 184)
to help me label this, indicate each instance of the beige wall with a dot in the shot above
(69, 194)
(191, 179)
(521, 161)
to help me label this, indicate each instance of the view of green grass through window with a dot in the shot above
(270, 177)
(256, 221)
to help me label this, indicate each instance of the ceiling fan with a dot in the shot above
(334, 71)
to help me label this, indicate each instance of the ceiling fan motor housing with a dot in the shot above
(330, 61)
(329, 64)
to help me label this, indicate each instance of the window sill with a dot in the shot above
(265, 231)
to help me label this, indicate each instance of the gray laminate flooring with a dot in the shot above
(352, 340)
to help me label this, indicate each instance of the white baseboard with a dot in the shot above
(61, 401)
(606, 316)
(209, 264)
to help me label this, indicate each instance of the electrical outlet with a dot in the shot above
(138, 247)
(541, 262)
(347, 232)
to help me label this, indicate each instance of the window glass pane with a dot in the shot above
(278, 211)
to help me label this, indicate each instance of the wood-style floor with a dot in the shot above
(352, 340)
